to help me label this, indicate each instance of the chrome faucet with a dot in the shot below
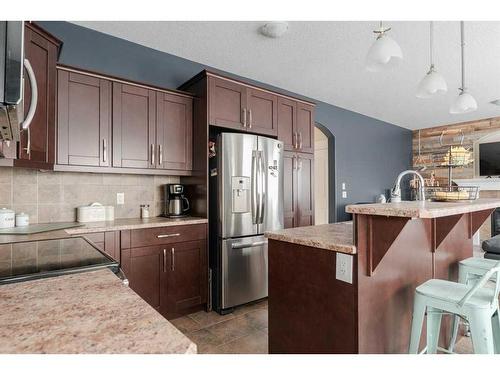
(396, 190)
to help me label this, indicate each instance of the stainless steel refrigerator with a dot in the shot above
(247, 196)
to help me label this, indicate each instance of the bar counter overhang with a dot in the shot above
(395, 247)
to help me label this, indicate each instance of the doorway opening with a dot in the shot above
(324, 176)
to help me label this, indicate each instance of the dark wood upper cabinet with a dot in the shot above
(227, 104)
(134, 125)
(37, 146)
(262, 112)
(83, 120)
(174, 132)
(287, 119)
(305, 127)
(298, 204)
(186, 278)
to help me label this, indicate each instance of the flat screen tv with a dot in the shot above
(489, 159)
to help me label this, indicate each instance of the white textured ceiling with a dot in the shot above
(325, 61)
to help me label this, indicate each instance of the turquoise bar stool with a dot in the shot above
(470, 270)
(476, 303)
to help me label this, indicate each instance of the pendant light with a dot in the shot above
(433, 83)
(384, 52)
(465, 102)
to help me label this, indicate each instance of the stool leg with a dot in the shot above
(416, 323)
(482, 332)
(495, 323)
(454, 329)
(433, 328)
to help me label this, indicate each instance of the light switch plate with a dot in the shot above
(343, 185)
(344, 194)
(120, 198)
(343, 267)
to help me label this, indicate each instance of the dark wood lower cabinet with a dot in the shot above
(171, 277)
(298, 189)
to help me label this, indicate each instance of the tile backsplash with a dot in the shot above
(53, 196)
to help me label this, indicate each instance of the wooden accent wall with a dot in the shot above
(429, 141)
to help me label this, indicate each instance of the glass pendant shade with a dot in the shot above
(432, 84)
(464, 103)
(385, 53)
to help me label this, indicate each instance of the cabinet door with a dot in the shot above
(144, 268)
(41, 51)
(187, 284)
(305, 189)
(262, 112)
(305, 127)
(83, 119)
(134, 121)
(287, 117)
(227, 104)
(174, 131)
(290, 189)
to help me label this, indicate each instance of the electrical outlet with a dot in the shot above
(343, 267)
(343, 185)
(120, 198)
(344, 194)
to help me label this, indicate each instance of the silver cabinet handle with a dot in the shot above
(244, 117)
(253, 244)
(300, 142)
(104, 150)
(295, 140)
(172, 254)
(160, 154)
(299, 163)
(168, 235)
(294, 163)
(152, 154)
(164, 260)
(34, 97)
(250, 118)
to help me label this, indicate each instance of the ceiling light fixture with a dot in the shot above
(433, 82)
(275, 29)
(465, 102)
(384, 53)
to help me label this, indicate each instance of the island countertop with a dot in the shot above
(90, 312)
(423, 210)
(336, 237)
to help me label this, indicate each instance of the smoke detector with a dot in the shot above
(274, 29)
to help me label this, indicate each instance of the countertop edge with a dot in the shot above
(144, 225)
(346, 249)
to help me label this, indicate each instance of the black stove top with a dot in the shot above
(30, 260)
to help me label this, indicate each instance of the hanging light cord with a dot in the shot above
(431, 43)
(462, 37)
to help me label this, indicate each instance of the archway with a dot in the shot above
(324, 176)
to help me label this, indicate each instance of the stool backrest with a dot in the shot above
(482, 281)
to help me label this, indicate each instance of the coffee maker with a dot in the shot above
(176, 204)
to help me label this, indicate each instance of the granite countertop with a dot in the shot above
(90, 312)
(126, 224)
(336, 237)
(423, 210)
(102, 226)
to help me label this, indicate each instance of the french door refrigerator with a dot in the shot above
(247, 197)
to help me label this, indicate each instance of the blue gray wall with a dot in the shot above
(369, 153)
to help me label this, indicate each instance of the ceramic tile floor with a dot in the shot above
(242, 332)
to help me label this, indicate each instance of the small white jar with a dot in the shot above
(144, 211)
(22, 220)
(7, 218)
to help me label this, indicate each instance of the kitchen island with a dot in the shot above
(89, 312)
(349, 287)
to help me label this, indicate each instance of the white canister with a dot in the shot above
(109, 213)
(22, 220)
(7, 218)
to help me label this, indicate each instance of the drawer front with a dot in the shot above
(166, 235)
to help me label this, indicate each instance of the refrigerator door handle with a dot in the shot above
(261, 188)
(243, 246)
(254, 187)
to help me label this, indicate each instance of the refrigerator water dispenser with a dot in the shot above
(240, 187)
